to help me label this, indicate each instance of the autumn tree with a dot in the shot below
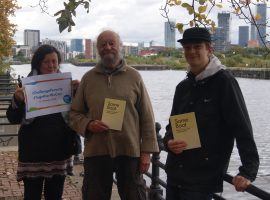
(199, 12)
(7, 30)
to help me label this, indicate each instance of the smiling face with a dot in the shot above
(197, 55)
(108, 45)
(49, 65)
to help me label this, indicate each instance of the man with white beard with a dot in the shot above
(126, 151)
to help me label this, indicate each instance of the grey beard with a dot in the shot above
(110, 60)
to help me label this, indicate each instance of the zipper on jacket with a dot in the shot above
(109, 81)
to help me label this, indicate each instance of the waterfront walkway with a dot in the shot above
(10, 189)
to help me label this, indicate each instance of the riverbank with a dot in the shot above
(138, 67)
(256, 73)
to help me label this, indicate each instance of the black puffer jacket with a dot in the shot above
(222, 117)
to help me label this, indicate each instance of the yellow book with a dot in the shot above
(113, 113)
(184, 127)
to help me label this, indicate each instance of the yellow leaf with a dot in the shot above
(190, 10)
(258, 17)
(219, 5)
(191, 23)
(177, 2)
(237, 10)
(202, 9)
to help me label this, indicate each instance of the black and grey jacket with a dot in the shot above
(222, 117)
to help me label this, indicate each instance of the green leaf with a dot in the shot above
(202, 9)
(202, 2)
(185, 5)
(190, 10)
(180, 26)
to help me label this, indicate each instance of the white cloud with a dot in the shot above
(134, 20)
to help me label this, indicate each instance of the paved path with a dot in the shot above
(10, 189)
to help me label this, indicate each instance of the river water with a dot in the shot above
(161, 86)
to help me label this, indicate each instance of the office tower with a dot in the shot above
(169, 34)
(224, 21)
(261, 36)
(88, 52)
(32, 38)
(218, 40)
(243, 36)
(76, 45)
(253, 35)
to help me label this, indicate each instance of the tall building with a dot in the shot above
(253, 35)
(224, 21)
(76, 45)
(88, 50)
(261, 10)
(243, 36)
(219, 40)
(32, 38)
(169, 32)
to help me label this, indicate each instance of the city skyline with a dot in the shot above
(121, 16)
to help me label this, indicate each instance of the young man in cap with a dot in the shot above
(213, 94)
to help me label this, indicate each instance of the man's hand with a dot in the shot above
(176, 146)
(144, 162)
(240, 183)
(97, 126)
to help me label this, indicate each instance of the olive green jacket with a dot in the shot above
(138, 130)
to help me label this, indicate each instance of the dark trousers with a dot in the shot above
(53, 188)
(98, 178)
(175, 193)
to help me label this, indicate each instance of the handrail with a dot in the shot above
(252, 189)
(156, 191)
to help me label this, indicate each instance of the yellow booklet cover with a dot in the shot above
(184, 127)
(113, 113)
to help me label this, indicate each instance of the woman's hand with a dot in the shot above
(176, 146)
(19, 95)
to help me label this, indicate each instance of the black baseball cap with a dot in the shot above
(195, 34)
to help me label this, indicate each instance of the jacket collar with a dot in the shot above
(212, 68)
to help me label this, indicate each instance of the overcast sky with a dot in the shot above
(134, 20)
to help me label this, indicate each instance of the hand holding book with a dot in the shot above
(184, 128)
(97, 126)
(176, 146)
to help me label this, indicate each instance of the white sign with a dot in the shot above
(47, 94)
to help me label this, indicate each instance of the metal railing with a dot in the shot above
(156, 191)
(7, 88)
